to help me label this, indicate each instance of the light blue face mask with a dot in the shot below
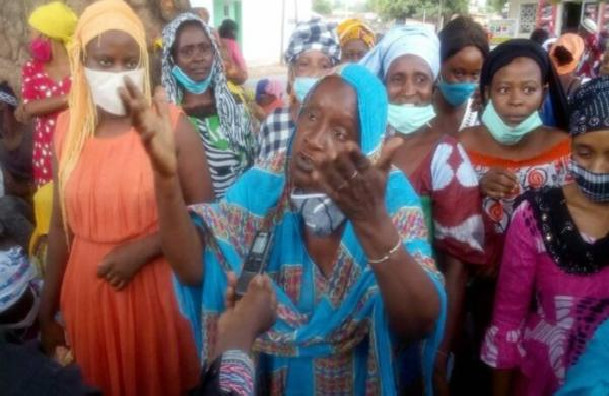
(457, 93)
(302, 87)
(195, 87)
(504, 133)
(408, 118)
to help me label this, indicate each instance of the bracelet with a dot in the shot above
(388, 255)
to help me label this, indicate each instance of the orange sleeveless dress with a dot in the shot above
(134, 341)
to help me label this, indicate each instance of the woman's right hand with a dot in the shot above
(243, 320)
(52, 336)
(153, 123)
(498, 183)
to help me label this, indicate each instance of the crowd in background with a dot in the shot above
(433, 213)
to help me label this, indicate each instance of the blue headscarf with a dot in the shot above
(372, 105)
(342, 316)
(419, 40)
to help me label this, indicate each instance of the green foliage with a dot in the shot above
(402, 9)
(496, 5)
(323, 7)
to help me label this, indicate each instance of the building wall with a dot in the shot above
(515, 12)
(516, 7)
(264, 36)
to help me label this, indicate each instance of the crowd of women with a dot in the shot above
(437, 212)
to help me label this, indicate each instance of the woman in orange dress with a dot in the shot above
(122, 320)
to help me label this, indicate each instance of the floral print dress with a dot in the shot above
(37, 85)
(547, 169)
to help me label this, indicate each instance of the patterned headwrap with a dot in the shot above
(313, 35)
(96, 19)
(404, 40)
(354, 29)
(55, 20)
(15, 276)
(230, 115)
(589, 110)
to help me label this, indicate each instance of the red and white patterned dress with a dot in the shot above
(447, 179)
(36, 85)
(547, 169)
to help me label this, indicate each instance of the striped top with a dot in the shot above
(226, 162)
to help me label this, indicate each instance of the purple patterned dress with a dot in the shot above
(551, 296)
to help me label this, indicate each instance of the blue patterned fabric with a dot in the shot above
(331, 334)
(588, 377)
(314, 35)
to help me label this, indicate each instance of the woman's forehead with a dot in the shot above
(314, 55)
(334, 93)
(409, 63)
(190, 33)
(519, 69)
(113, 40)
(598, 139)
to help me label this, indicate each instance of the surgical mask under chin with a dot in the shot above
(595, 186)
(505, 134)
(320, 214)
(29, 319)
(192, 86)
(302, 87)
(104, 88)
(407, 119)
(457, 93)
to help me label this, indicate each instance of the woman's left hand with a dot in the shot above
(354, 183)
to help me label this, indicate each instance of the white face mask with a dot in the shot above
(104, 88)
(29, 319)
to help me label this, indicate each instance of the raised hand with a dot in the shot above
(354, 183)
(153, 123)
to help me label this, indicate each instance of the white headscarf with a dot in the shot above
(419, 40)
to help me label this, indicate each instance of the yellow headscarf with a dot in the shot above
(100, 17)
(55, 20)
(354, 29)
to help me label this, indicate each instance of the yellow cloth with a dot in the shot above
(43, 208)
(354, 29)
(236, 90)
(55, 20)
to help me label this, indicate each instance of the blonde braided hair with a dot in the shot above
(100, 17)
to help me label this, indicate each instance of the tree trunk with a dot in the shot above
(14, 28)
